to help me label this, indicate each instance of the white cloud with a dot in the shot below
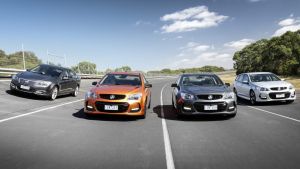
(240, 44)
(141, 22)
(191, 19)
(194, 54)
(289, 24)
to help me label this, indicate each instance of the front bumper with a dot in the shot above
(41, 91)
(267, 96)
(197, 107)
(128, 108)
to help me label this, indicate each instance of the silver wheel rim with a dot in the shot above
(76, 91)
(54, 93)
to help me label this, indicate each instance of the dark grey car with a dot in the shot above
(203, 93)
(46, 80)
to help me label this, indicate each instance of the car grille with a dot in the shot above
(273, 95)
(25, 81)
(112, 96)
(210, 97)
(122, 107)
(199, 106)
(278, 88)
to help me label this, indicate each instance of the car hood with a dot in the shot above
(116, 89)
(35, 76)
(272, 84)
(206, 89)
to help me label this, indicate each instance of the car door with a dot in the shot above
(175, 91)
(65, 84)
(238, 84)
(245, 87)
(147, 90)
(73, 80)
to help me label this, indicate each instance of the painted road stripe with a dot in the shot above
(40, 110)
(5, 80)
(275, 114)
(168, 149)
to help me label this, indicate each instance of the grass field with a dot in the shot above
(229, 78)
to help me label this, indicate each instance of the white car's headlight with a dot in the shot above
(262, 89)
(187, 96)
(42, 83)
(229, 95)
(291, 87)
(90, 95)
(136, 96)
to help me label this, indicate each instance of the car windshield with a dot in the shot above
(201, 80)
(121, 79)
(264, 78)
(47, 70)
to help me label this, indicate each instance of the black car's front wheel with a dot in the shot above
(76, 91)
(53, 93)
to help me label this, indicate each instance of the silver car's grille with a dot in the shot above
(278, 88)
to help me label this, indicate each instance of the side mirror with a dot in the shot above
(174, 85)
(27, 70)
(94, 83)
(65, 77)
(227, 84)
(245, 82)
(148, 85)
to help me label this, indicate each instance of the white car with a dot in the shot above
(263, 87)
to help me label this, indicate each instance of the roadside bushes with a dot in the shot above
(280, 55)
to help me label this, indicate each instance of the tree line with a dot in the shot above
(15, 60)
(188, 70)
(280, 55)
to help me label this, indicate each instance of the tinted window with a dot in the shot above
(47, 70)
(240, 78)
(201, 80)
(121, 79)
(245, 78)
(264, 77)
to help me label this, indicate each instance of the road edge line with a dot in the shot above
(40, 110)
(290, 118)
(168, 149)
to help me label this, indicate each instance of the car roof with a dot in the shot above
(200, 73)
(255, 73)
(125, 73)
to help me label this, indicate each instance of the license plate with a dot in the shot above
(211, 107)
(110, 107)
(280, 95)
(24, 87)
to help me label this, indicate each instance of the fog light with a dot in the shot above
(187, 108)
(231, 107)
(263, 96)
(135, 109)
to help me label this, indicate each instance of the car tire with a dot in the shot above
(149, 106)
(75, 93)
(53, 93)
(252, 97)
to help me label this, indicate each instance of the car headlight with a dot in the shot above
(90, 95)
(229, 95)
(187, 96)
(42, 84)
(262, 89)
(15, 77)
(136, 96)
(291, 87)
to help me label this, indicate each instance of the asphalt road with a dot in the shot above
(37, 133)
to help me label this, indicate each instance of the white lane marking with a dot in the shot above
(5, 80)
(40, 110)
(168, 149)
(275, 114)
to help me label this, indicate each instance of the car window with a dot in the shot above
(264, 77)
(121, 79)
(200, 80)
(245, 78)
(240, 78)
(47, 70)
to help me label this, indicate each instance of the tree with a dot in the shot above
(123, 69)
(85, 67)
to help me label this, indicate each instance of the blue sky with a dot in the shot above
(145, 35)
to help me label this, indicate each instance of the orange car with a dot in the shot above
(119, 93)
